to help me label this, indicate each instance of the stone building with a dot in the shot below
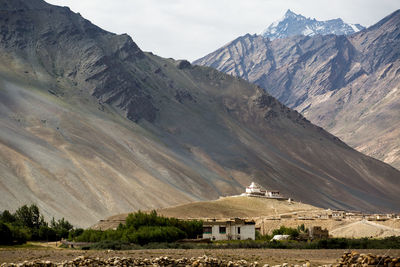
(316, 232)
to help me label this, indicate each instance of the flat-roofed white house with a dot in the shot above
(273, 194)
(236, 229)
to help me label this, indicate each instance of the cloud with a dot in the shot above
(193, 28)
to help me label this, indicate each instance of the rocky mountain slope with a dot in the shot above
(349, 85)
(91, 126)
(293, 24)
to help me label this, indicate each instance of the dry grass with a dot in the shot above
(240, 206)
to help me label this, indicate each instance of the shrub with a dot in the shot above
(265, 237)
(90, 235)
(114, 245)
(151, 234)
(139, 219)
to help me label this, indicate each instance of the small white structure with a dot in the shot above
(255, 190)
(236, 229)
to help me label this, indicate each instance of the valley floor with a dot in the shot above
(263, 256)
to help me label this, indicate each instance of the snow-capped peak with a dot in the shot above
(295, 24)
(289, 13)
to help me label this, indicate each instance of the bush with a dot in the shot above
(139, 219)
(114, 245)
(90, 235)
(151, 234)
(261, 237)
(142, 228)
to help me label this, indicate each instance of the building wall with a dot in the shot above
(248, 231)
(232, 232)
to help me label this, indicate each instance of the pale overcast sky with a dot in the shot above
(191, 29)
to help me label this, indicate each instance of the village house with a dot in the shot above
(322, 216)
(273, 194)
(236, 229)
(338, 214)
(354, 215)
(391, 215)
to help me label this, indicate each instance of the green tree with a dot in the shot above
(29, 217)
(20, 234)
(74, 233)
(6, 237)
(7, 217)
(47, 233)
(61, 227)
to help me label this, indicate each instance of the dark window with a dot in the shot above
(222, 230)
(238, 230)
(207, 230)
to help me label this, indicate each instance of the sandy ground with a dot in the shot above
(270, 256)
(350, 228)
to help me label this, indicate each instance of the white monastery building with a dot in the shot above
(255, 190)
(237, 229)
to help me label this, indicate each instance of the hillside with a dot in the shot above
(346, 84)
(222, 208)
(236, 207)
(267, 215)
(93, 126)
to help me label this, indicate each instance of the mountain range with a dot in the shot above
(293, 24)
(347, 84)
(92, 126)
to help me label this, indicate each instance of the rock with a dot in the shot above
(183, 64)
